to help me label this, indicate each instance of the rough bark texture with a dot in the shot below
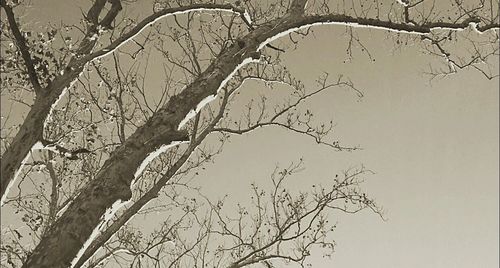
(149, 195)
(11, 161)
(31, 131)
(20, 147)
(112, 183)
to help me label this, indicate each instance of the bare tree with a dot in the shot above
(279, 225)
(219, 46)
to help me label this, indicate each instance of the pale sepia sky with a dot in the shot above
(434, 149)
(433, 146)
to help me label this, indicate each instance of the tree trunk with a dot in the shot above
(112, 183)
(148, 196)
(31, 131)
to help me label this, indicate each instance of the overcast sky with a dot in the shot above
(433, 148)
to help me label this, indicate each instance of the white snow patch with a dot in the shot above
(269, 82)
(63, 209)
(94, 37)
(247, 17)
(36, 146)
(108, 50)
(355, 25)
(210, 98)
(51, 147)
(152, 156)
(124, 250)
(471, 24)
(402, 2)
(451, 65)
(97, 231)
(474, 27)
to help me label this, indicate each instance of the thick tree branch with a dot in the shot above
(112, 183)
(150, 20)
(54, 195)
(154, 191)
(21, 43)
(297, 7)
(31, 131)
(116, 7)
(95, 10)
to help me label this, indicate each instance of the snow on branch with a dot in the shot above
(210, 98)
(16, 174)
(408, 28)
(403, 2)
(110, 212)
(155, 17)
(153, 155)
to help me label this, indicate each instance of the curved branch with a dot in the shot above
(152, 19)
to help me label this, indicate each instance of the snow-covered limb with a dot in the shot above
(403, 2)
(153, 191)
(407, 28)
(152, 156)
(111, 254)
(18, 172)
(247, 17)
(210, 98)
(154, 18)
(110, 212)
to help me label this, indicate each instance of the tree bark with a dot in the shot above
(112, 183)
(150, 194)
(17, 151)
(31, 131)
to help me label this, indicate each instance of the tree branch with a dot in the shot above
(21, 43)
(153, 18)
(153, 192)
(116, 6)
